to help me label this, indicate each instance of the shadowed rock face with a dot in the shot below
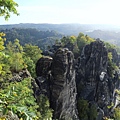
(92, 66)
(96, 85)
(64, 86)
(56, 79)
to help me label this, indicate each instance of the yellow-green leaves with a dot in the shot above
(2, 41)
(18, 98)
(7, 7)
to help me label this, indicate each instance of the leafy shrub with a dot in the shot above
(18, 98)
(83, 109)
(116, 114)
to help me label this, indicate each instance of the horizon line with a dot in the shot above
(62, 23)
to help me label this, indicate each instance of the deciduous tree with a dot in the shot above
(7, 7)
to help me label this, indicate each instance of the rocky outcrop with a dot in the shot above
(56, 80)
(19, 76)
(93, 81)
(58, 75)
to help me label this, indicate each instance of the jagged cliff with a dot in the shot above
(56, 79)
(58, 75)
(97, 87)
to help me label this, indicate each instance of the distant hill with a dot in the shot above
(110, 33)
(33, 36)
(66, 29)
(110, 36)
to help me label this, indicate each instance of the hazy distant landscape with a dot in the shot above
(110, 33)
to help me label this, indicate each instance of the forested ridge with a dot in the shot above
(105, 32)
(33, 36)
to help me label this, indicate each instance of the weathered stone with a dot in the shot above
(56, 80)
(96, 84)
(64, 87)
(20, 76)
(43, 66)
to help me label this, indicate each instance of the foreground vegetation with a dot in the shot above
(16, 98)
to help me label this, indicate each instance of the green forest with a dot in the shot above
(32, 36)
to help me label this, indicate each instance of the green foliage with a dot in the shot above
(83, 109)
(15, 59)
(67, 41)
(7, 7)
(109, 46)
(22, 57)
(30, 65)
(4, 68)
(2, 41)
(31, 55)
(110, 56)
(76, 44)
(32, 51)
(83, 40)
(44, 109)
(32, 36)
(117, 114)
(92, 112)
(86, 111)
(18, 98)
(111, 68)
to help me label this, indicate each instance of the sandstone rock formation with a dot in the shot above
(56, 79)
(58, 75)
(92, 75)
(20, 76)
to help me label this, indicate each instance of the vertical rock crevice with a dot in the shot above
(92, 75)
(56, 80)
(59, 76)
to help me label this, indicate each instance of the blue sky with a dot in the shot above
(66, 11)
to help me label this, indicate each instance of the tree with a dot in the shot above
(81, 41)
(7, 7)
(32, 51)
(2, 41)
(116, 114)
(15, 51)
(18, 99)
(83, 109)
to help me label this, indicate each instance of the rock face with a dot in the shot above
(58, 75)
(20, 76)
(94, 83)
(56, 79)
